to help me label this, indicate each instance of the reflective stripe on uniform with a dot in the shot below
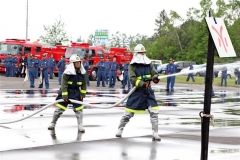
(79, 108)
(61, 106)
(69, 82)
(83, 91)
(135, 111)
(79, 83)
(148, 76)
(137, 82)
(144, 77)
(155, 108)
(64, 93)
(139, 77)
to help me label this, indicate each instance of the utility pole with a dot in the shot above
(206, 114)
(179, 42)
(26, 22)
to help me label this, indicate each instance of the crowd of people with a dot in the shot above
(34, 68)
(107, 73)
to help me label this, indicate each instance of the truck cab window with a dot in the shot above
(92, 53)
(27, 50)
(100, 53)
(38, 49)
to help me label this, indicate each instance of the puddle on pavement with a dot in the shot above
(18, 108)
(232, 111)
(225, 150)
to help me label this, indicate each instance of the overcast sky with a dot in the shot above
(83, 17)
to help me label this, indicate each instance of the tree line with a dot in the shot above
(188, 41)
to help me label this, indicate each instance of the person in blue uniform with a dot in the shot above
(237, 74)
(171, 69)
(61, 67)
(8, 65)
(73, 87)
(31, 63)
(190, 75)
(86, 67)
(141, 73)
(107, 64)
(113, 73)
(51, 66)
(14, 66)
(44, 72)
(224, 77)
(101, 72)
(37, 66)
(126, 80)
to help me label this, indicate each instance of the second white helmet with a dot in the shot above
(74, 58)
(139, 48)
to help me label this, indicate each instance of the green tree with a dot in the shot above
(234, 10)
(116, 39)
(205, 7)
(79, 39)
(221, 8)
(54, 33)
(174, 17)
(234, 32)
(162, 22)
(193, 14)
(188, 40)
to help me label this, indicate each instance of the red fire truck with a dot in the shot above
(85, 51)
(18, 48)
(94, 53)
(57, 51)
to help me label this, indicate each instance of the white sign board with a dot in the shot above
(220, 37)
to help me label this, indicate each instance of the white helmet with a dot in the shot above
(139, 48)
(74, 58)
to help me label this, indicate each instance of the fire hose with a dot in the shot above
(72, 101)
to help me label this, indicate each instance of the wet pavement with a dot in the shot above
(179, 126)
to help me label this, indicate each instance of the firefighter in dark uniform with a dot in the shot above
(73, 87)
(141, 73)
